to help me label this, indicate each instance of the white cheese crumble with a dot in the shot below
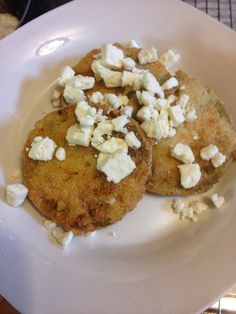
(146, 113)
(208, 152)
(16, 194)
(119, 123)
(79, 135)
(217, 200)
(218, 160)
(112, 78)
(115, 166)
(49, 224)
(191, 114)
(146, 98)
(182, 101)
(63, 238)
(127, 111)
(190, 175)
(42, 149)
(178, 205)
(60, 153)
(176, 115)
(128, 78)
(83, 82)
(96, 97)
(128, 64)
(67, 73)
(103, 128)
(132, 44)
(113, 144)
(132, 140)
(169, 59)
(151, 84)
(72, 95)
(170, 83)
(112, 56)
(152, 128)
(114, 101)
(147, 55)
(183, 153)
(56, 94)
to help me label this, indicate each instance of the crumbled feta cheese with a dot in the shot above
(176, 115)
(146, 98)
(79, 135)
(49, 224)
(112, 56)
(147, 55)
(115, 166)
(98, 69)
(183, 153)
(16, 194)
(147, 113)
(132, 140)
(198, 207)
(56, 94)
(172, 132)
(127, 78)
(114, 101)
(112, 78)
(182, 101)
(178, 206)
(42, 149)
(63, 238)
(119, 123)
(38, 138)
(67, 73)
(99, 116)
(96, 98)
(191, 115)
(218, 160)
(83, 82)
(127, 111)
(170, 83)
(169, 59)
(17, 173)
(171, 99)
(151, 84)
(60, 153)
(218, 201)
(138, 81)
(208, 152)
(152, 128)
(124, 100)
(190, 175)
(81, 109)
(113, 144)
(161, 103)
(164, 123)
(103, 128)
(128, 64)
(87, 120)
(72, 95)
(132, 44)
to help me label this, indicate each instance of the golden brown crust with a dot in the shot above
(73, 193)
(212, 127)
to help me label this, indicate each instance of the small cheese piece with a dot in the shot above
(183, 153)
(85, 114)
(176, 115)
(72, 95)
(127, 111)
(218, 201)
(67, 73)
(124, 100)
(119, 123)
(128, 79)
(96, 97)
(132, 44)
(208, 152)
(103, 128)
(147, 113)
(113, 144)
(16, 194)
(164, 123)
(198, 207)
(146, 98)
(112, 78)
(218, 160)
(151, 84)
(112, 56)
(169, 59)
(170, 83)
(190, 175)
(49, 224)
(98, 69)
(132, 140)
(63, 238)
(161, 103)
(42, 149)
(152, 128)
(147, 55)
(191, 114)
(83, 82)
(115, 166)
(182, 101)
(178, 205)
(128, 64)
(79, 135)
(114, 101)
(60, 153)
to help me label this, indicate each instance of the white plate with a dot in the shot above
(156, 264)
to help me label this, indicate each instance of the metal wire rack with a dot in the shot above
(223, 10)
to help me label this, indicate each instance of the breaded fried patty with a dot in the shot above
(212, 126)
(72, 192)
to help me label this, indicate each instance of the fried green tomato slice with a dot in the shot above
(72, 192)
(212, 126)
